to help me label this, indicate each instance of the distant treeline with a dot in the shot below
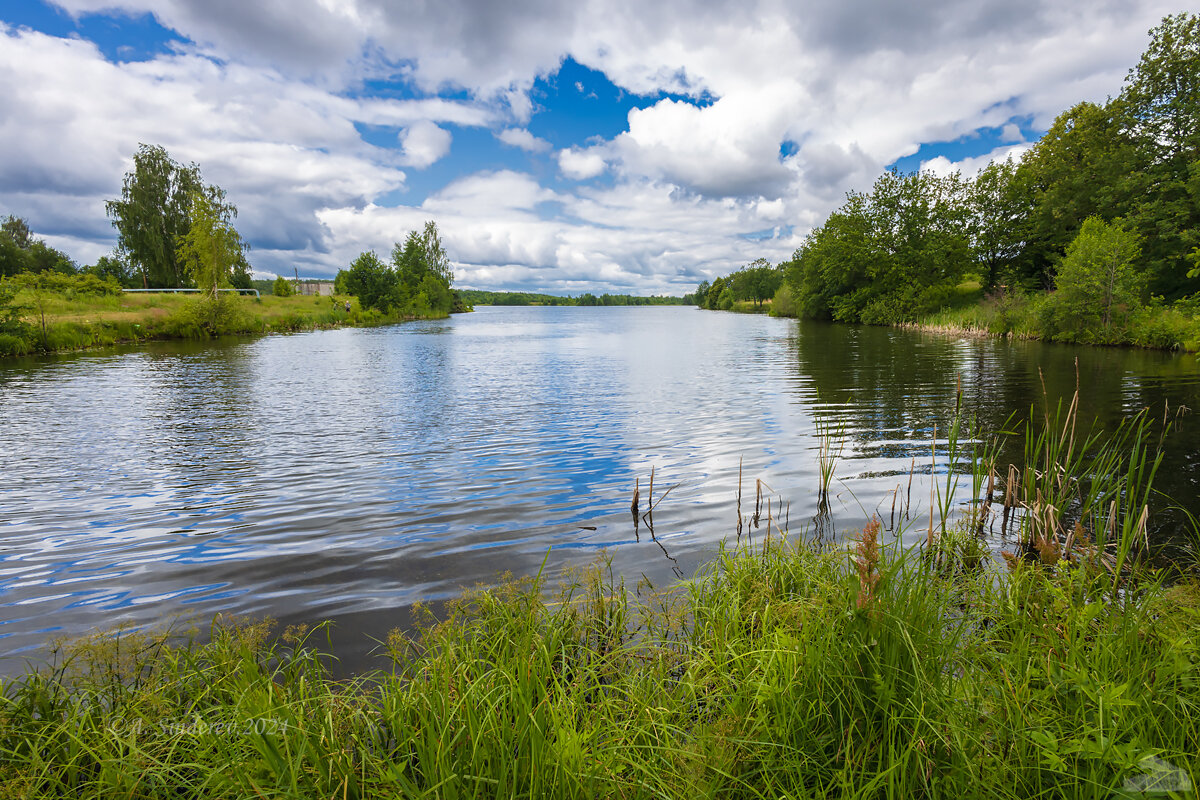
(479, 297)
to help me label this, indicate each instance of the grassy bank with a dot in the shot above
(1032, 316)
(1067, 668)
(54, 321)
(781, 671)
(969, 311)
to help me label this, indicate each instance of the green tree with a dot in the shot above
(713, 295)
(887, 256)
(371, 281)
(1079, 169)
(17, 230)
(281, 287)
(1098, 285)
(13, 258)
(423, 271)
(1161, 115)
(113, 267)
(757, 282)
(998, 207)
(154, 213)
(210, 248)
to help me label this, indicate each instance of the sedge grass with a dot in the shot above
(777, 671)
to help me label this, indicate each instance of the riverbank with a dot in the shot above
(50, 322)
(780, 670)
(1032, 317)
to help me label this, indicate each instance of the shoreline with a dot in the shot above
(83, 324)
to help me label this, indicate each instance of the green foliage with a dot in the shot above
(17, 229)
(114, 268)
(725, 299)
(370, 280)
(154, 215)
(756, 282)
(885, 257)
(783, 304)
(281, 287)
(1161, 104)
(1098, 288)
(210, 248)
(21, 252)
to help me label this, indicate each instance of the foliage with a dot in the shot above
(783, 304)
(1098, 287)
(887, 256)
(756, 282)
(17, 229)
(210, 249)
(114, 267)
(1161, 105)
(281, 287)
(370, 280)
(154, 212)
(21, 252)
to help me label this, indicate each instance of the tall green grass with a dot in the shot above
(778, 671)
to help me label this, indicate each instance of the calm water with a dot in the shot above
(346, 474)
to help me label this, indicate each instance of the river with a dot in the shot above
(347, 474)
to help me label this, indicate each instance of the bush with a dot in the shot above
(783, 304)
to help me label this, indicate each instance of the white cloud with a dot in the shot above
(581, 164)
(522, 138)
(969, 167)
(424, 143)
(269, 97)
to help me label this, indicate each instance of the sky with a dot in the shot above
(563, 147)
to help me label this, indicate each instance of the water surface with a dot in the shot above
(347, 474)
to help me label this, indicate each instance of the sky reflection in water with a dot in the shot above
(347, 474)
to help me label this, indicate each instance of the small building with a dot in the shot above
(313, 286)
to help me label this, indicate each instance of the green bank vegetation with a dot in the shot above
(1092, 236)
(176, 232)
(786, 668)
(63, 313)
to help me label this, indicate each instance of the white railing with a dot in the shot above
(176, 291)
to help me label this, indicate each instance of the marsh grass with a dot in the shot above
(779, 670)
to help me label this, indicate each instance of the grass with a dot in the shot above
(63, 321)
(781, 669)
(1031, 316)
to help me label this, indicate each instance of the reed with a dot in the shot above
(831, 438)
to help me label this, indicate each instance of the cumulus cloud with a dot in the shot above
(773, 111)
(581, 164)
(424, 143)
(523, 139)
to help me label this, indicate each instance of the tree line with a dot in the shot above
(756, 283)
(1096, 223)
(480, 297)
